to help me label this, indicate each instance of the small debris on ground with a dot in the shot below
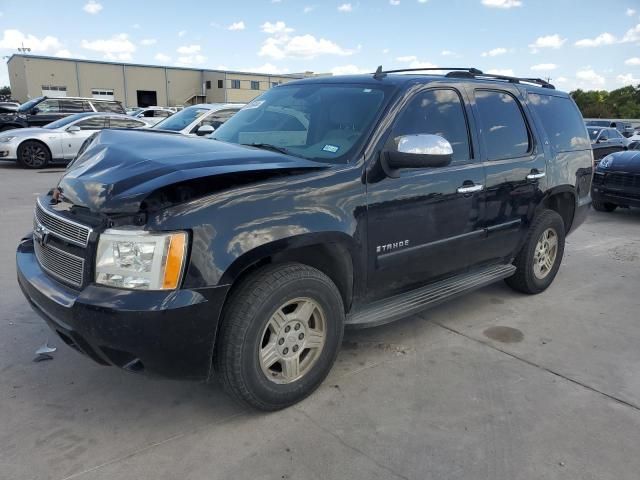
(44, 352)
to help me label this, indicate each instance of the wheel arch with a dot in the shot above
(36, 140)
(563, 200)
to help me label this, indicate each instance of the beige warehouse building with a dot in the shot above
(32, 76)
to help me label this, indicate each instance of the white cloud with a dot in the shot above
(12, 39)
(589, 79)
(148, 41)
(407, 58)
(64, 53)
(501, 71)
(236, 26)
(118, 47)
(345, 7)
(136, 26)
(394, 2)
(502, 3)
(548, 41)
(92, 7)
(385, 51)
(278, 27)
(161, 57)
(628, 79)
(308, 9)
(561, 80)
(413, 62)
(495, 52)
(544, 67)
(635, 61)
(632, 35)
(348, 70)
(600, 40)
(630, 12)
(448, 53)
(191, 60)
(188, 49)
(423, 1)
(266, 68)
(182, 33)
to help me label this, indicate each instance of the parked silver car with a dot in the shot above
(200, 119)
(58, 141)
(152, 115)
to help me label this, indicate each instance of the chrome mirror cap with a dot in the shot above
(424, 144)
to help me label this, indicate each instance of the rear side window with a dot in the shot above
(71, 106)
(504, 130)
(112, 107)
(562, 122)
(125, 123)
(438, 112)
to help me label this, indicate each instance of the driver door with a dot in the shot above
(72, 141)
(427, 223)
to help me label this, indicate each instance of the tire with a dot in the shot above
(33, 154)
(255, 322)
(603, 206)
(533, 276)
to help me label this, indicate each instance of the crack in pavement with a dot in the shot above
(348, 445)
(540, 367)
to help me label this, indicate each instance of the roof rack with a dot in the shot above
(467, 72)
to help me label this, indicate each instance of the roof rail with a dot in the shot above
(466, 72)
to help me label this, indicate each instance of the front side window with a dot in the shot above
(437, 112)
(92, 123)
(182, 119)
(48, 106)
(216, 119)
(504, 130)
(321, 122)
(562, 121)
(604, 135)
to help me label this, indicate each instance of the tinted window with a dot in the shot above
(92, 123)
(604, 135)
(125, 123)
(504, 130)
(593, 133)
(113, 107)
(216, 119)
(181, 119)
(71, 106)
(613, 133)
(48, 106)
(562, 122)
(439, 112)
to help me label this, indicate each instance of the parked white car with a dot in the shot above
(152, 115)
(200, 119)
(58, 141)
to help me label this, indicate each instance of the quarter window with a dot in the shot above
(438, 112)
(562, 122)
(504, 130)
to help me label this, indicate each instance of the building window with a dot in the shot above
(255, 85)
(54, 91)
(235, 84)
(102, 93)
(220, 83)
(208, 84)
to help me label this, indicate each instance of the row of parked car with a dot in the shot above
(52, 130)
(608, 136)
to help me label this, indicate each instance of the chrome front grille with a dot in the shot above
(60, 264)
(61, 227)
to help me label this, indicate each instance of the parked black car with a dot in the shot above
(43, 110)
(8, 107)
(616, 181)
(605, 141)
(325, 202)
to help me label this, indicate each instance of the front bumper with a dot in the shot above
(168, 333)
(617, 197)
(8, 151)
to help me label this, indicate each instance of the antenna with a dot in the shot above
(379, 73)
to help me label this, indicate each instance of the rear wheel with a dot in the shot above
(539, 260)
(603, 206)
(32, 154)
(280, 335)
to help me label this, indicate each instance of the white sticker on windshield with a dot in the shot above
(254, 104)
(367, 90)
(330, 148)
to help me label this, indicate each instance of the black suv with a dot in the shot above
(43, 110)
(326, 202)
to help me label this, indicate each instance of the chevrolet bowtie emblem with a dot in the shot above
(41, 235)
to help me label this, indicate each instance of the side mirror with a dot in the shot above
(205, 130)
(73, 129)
(602, 140)
(416, 151)
(34, 111)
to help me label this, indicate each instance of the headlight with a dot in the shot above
(141, 260)
(6, 139)
(606, 161)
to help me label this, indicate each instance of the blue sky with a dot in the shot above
(586, 44)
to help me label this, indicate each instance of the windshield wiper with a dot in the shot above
(268, 146)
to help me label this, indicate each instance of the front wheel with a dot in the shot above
(539, 260)
(32, 154)
(280, 334)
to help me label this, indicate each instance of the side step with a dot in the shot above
(405, 304)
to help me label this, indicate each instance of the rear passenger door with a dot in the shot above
(515, 169)
(426, 223)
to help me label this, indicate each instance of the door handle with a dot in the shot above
(470, 188)
(536, 175)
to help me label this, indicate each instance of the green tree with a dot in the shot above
(621, 103)
(6, 90)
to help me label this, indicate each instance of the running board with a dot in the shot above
(405, 304)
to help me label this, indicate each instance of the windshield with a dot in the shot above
(27, 105)
(182, 119)
(314, 121)
(63, 122)
(593, 133)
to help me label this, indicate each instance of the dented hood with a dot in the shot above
(123, 167)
